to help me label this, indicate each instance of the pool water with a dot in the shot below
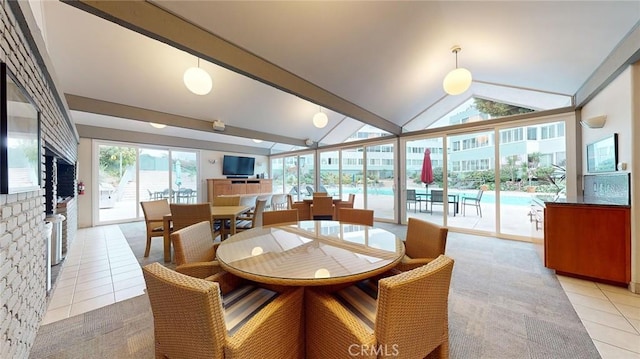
(519, 199)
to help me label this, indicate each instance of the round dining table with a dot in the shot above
(310, 253)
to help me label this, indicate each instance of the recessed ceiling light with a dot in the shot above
(257, 140)
(157, 125)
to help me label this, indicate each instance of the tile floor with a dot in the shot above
(101, 269)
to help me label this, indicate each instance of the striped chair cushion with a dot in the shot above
(242, 303)
(361, 300)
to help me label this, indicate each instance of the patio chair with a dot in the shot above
(406, 313)
(196, 318)
(153, 213)
(356, 215)
(413, 198)
(424, 242)
(278, 217)
(195, 251)
(472, 201)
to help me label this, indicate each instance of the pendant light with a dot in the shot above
(197, 80)
(458, 80)
(320, 119)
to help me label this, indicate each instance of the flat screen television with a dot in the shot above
(602, 155)
(236, 166)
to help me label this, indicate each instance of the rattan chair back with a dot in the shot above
(279, 217)
(194, 244)
(184, 215)
(153, 213)
(425, 239)
(412, 310)
(180, 302)
(226, 201)
(322, 208)
(356, 215)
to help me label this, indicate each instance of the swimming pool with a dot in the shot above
(515, 199)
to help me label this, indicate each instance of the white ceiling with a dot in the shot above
(388, 58)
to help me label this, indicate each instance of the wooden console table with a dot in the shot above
(230, 186)
(588, 240)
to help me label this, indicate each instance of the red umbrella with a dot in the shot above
(427, 170)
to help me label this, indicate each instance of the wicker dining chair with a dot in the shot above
(278, 217)
(406, 315)
(195, 251)
(322, 208)
(356, 215)
(344, 204)
(184, 215)
(254, 219)
(196, 318)
(424, 242)
(153, 213)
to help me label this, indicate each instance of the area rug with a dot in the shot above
(503, 303)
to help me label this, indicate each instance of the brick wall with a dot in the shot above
(23, 297)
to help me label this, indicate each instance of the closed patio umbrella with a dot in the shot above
(427, 170)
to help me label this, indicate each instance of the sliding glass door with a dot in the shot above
(128, 174)
(117, 183)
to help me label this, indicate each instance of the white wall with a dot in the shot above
(214, 170)
(616, 101)
(85, 163)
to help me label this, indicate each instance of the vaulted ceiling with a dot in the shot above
(121, 63)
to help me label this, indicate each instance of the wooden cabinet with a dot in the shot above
(588, 240)
(225, 186)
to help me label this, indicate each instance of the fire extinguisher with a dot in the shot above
(80, 187)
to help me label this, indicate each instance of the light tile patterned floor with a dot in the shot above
(101, 269)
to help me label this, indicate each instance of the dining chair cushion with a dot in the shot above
(360, 300)
(242, 303)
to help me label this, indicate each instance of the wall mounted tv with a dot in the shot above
(238, 167)
(602, 155)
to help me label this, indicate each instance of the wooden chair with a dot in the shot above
(320, 194)
(322, 208)
(153, 213)
(472, 201)
(195, 251)
(226, 201)
(304, 210)
(278, 217)
(196, 318)
(344, 204)
(184, 215)
(253, 220)
(356, 215)
(406, 313)
(425, 241)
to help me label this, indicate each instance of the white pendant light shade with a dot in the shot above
(320, 119)
(198, 81)
(157, 125)
(457, 81)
